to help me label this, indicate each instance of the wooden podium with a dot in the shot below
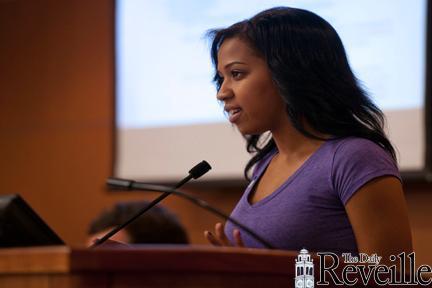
(146, 266)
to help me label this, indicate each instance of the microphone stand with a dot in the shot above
(196, 172)
(139, 213)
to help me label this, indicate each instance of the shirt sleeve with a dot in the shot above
(356, 162)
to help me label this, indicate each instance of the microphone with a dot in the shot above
(133, 185)
(196, 172)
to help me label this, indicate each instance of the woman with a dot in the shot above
(326, 179)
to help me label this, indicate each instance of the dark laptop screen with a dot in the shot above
(20, 226)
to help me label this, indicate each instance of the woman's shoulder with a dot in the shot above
(358, 148)
(360, 152)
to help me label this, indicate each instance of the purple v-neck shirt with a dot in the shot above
(308, 209)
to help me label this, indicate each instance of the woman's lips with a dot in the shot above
(234, 114)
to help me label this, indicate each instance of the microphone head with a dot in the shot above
(122, 184)
(199, 169)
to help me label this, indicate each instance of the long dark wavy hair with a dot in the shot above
(309, 66)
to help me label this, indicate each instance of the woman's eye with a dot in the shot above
(236, 74)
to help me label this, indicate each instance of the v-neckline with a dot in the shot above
(253, 185)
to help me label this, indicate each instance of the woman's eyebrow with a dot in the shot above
(230, 64)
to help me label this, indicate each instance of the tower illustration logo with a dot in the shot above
(304, 270)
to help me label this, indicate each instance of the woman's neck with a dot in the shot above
(292, 144)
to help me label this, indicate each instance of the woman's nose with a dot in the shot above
(224, 93)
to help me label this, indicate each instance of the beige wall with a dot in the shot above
(56, 121)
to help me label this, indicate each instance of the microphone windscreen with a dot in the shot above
(200, 169)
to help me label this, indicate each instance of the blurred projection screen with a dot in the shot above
(167, 116)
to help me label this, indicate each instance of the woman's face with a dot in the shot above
(250, 97)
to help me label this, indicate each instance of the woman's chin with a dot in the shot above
(246, 131)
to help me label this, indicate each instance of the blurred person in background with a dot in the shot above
(156, 226)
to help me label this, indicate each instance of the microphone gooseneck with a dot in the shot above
(196, 172)
(133, 185)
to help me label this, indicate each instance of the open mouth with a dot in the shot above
(234, 114)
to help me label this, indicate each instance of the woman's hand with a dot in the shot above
(219, 238)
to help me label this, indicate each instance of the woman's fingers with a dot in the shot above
(220, 234)
(219, 238)
(212, 238)
(237, 238)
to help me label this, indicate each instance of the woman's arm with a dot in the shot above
(379, 217)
